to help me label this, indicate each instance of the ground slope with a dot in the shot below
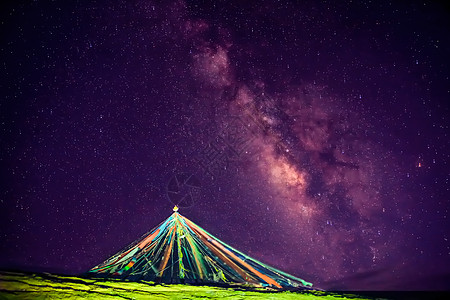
(34, 286)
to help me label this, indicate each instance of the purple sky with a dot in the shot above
(318, 133)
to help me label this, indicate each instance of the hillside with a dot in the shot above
(34, 286)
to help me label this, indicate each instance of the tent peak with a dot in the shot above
(175, 209)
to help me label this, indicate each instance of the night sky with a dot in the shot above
(315, 135)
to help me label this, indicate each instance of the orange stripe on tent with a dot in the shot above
(130, 264)
(166, 254)
(247, 277)
(250, 268)
(148, 239)
(259, 274)
(148, 248)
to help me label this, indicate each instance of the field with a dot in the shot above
(35, 286)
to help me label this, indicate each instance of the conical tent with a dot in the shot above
(179, 251)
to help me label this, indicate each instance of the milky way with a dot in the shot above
(317, 134)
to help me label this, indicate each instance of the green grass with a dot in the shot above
(39, 286)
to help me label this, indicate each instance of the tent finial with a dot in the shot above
(175, 208)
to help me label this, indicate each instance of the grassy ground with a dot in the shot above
(48, 286)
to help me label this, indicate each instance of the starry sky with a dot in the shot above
(312, 136)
